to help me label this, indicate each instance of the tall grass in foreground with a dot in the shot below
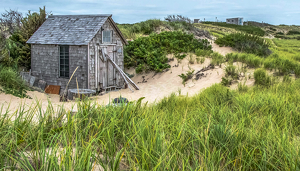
(218, 129)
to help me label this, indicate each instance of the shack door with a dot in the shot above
(111, 76)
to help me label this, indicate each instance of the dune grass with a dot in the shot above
(218, 129)
(216, 31)
(12, 83)
(136, 30)
(246, 43)
(245, 28)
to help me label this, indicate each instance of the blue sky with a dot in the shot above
(131, 11)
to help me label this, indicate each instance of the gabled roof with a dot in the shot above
(70, 29)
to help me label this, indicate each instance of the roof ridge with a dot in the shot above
(86, 15)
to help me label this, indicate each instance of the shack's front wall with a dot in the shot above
(45, 65)
(101, 71)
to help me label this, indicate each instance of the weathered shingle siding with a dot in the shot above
(92, 60)
(102, 66)
(45, 65)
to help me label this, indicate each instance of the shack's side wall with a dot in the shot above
(97, 68)
(45, 65)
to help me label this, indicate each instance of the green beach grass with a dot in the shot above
(218, 129)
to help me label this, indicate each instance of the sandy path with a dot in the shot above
(222, 50)
(156, 87)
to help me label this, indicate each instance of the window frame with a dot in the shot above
(111, 35)
(66, 56)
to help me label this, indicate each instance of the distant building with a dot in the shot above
(236, 21)
(196, 20)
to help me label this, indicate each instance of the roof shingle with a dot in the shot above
(68, 29)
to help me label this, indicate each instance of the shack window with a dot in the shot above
(64, 61)
(107, 36)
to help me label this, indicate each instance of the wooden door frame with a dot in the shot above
(113, 69)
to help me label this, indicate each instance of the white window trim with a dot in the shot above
(111, 34)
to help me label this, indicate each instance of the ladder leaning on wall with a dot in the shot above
(125, 77)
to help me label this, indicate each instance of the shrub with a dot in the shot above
(129, 75)
(149, 53)
(200, 60)
(204, 53)
(217, 59)
(242, 87)
(231, 71)
(279, 33)
(261, 78)
(231, 57)
(191, 59)
(287, 79)
(226, 81)
(273, 29)
(12, 83)
(246, 43)
(185, 77)
(293, 32)
(231, 74)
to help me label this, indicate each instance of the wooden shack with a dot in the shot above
(66, 42)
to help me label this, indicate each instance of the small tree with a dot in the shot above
(30, 24)
(10, 21)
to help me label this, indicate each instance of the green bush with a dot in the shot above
(12, 83)
(287, 79)
(226, 81)
(261, 78)
(246, 43)
(293, 32)
(231, 57)
(242, 87)
(149, 53)
(231, 71)
(203, 53)
(279, 33)
(231, 74)
(217, 59)
(185, 77)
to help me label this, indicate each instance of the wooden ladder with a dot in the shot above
(125, 77)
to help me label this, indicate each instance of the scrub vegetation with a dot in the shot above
(218, 129)
(251, 128)
(149, 53)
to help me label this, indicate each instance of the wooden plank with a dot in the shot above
(120, 72)
(52, 89)
(110, 71)
(126, 78)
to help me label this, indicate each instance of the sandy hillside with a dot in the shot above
(153, 89)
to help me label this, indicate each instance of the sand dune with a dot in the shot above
(157, 86)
